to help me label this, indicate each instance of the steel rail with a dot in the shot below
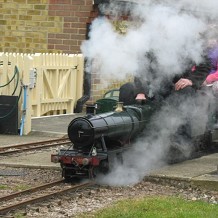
(5, 150)
(33, 143)
(7, 209)
(34, 189)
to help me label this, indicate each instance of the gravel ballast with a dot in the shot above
(90, 199)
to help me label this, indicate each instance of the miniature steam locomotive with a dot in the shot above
(101, 136)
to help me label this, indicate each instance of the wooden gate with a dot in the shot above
(52, 82)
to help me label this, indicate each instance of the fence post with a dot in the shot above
(37, 59)
(26, 115)
(80, 75)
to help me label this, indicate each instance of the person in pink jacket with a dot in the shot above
(212, 78)
(213, 74)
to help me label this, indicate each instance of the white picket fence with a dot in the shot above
(50, 83)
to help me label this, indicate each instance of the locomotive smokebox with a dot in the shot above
(81, 133)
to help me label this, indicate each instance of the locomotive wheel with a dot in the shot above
(93, 172)
(175, 155)
(66, 176)
(120, 157)
(104, 167)
(203, 142)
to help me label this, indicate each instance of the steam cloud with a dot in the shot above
(175, 32)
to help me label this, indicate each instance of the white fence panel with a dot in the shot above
(54, 83)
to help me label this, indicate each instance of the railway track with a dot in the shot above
(5, 150)
(37, 194)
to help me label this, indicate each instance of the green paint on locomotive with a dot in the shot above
(105, 105)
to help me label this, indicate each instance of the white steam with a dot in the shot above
(152, 151)
(176, 32)
(172, 30)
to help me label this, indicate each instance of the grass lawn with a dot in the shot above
(157, 207)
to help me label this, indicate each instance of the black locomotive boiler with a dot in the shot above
(99, 138)
(105, 132)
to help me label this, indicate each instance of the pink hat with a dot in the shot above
(140, 96)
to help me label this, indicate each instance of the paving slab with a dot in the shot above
(33, 160)
(56, 124)
(191, 168)
(207, 181)
(200, 172)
